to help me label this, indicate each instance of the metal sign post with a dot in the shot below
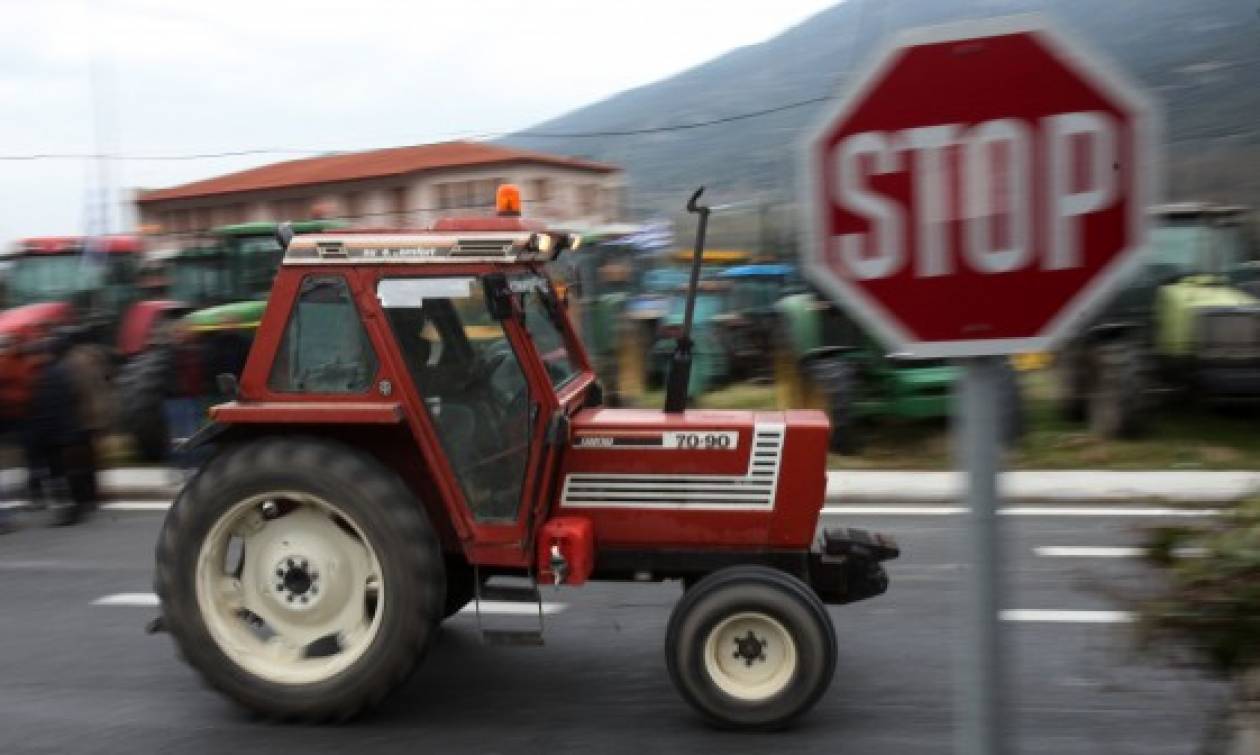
(982, 726)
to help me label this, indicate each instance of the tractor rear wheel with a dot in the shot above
(750, 648)
(1071, 378)
(1011, 406)
(838, 380)
(143, 386)
(1117, 398)
(300, 577)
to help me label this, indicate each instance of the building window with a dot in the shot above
(398, 202)
(353, 202)
(588, 199)
(540, 190)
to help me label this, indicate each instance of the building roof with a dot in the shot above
(377, 163)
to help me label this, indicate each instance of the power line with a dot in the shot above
(295, 151)
(675, 127)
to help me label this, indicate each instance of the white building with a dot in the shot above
(399, 186)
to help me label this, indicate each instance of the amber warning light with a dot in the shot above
(507, 200)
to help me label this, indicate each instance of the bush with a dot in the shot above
(1210, 602)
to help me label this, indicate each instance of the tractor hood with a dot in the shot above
(1202, 309)
(1205, 308)
(720, 479)
(30, 317)
(241, 315)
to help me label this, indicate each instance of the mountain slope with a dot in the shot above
(1202, 59)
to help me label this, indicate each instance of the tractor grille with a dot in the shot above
(1229, 334)
(481, 248)
(753, 490)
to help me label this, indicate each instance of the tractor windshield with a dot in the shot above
(198, 279)
(1186, 248)
(39, 278)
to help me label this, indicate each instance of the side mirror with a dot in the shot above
(498, 295)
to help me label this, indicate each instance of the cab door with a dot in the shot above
(471, 383)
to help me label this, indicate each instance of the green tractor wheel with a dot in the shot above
(143, 386)
(1010, 407)
(1117, 404)
(838, 379)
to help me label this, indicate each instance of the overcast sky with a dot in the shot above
(194, 77)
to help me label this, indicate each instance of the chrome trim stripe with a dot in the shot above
(752, 491)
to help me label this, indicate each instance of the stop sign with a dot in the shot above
(979, 188)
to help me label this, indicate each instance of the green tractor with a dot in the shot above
(221, 285)
(1186, 325)
(824, 359)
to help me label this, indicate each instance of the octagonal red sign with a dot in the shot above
(979, 188)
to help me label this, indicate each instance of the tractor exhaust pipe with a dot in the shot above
(680, 363)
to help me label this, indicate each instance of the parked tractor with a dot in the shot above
(418, 427)
(71, 284)
(1187, 325)
(218, 289)
(824, 358)
(748, 324)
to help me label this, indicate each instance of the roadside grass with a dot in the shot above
(1180, 436)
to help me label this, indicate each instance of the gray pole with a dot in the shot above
(981, 672)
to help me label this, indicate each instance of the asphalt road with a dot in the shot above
(80, 677)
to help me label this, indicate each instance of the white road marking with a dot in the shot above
(1048, 511)
(1085, 551)
(136, 506)
(131, 599)
(150, 600)
(513, 609)
(1034, 615)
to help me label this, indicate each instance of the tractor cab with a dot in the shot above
(71, 280)
(418, 427)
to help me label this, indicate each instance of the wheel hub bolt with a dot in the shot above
(750, 648)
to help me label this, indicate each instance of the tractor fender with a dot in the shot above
(140, 322)
(375, 427)
(1105, 332)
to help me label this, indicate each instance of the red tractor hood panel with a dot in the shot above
(701, 479)
(33, 317)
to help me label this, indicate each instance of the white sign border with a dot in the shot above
(1075, 55)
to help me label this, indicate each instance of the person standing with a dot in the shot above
(52, 434)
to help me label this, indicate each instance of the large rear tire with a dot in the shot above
(1117, 399)
(143, 386)
(300, 577)
(837, 378)
(750, 648)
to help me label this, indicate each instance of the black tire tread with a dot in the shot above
(770, 577)
(143, 385)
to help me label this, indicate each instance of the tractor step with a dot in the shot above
(522, 623)
(510, 593)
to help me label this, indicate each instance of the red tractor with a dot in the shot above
(74, 282)
(418, 427)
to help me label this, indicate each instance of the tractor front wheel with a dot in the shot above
(300, 577)
(143, 386)
(750, 648)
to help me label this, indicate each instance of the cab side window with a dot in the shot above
(325, 348)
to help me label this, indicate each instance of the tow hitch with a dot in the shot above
(845, 564)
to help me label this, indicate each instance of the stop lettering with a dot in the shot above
(977, 194)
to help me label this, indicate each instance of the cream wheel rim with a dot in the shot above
(289, 587)
(750, 656)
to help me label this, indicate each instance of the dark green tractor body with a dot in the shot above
(1186, 324)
